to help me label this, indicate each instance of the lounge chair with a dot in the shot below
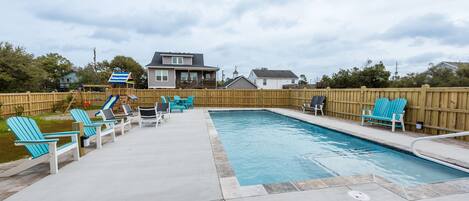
(189, 102)
(316, 104)
(119, 123)
(386, 111)
(108, 104)
(42, 147)
(163, 108)
(93, 129)
(149, 114)
(129, 113)
(173, 105)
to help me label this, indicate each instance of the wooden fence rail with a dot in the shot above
(442, 110)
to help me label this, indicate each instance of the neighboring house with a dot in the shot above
(272, 79)
(67, 80)
(451, 65)
(239, 82)
(180, 70)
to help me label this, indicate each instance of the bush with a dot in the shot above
(1, 111)
(19, 110)
(59, 106)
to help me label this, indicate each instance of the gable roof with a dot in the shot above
(274, 73)
(197, 59)
(237, 79)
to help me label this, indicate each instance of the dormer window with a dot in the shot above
(176, 60)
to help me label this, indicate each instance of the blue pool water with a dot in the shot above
(264, 147)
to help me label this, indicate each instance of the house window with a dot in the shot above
(184, 76)
(264, 82)
(176, 60)
(207, 76)
(193, 75)
(293, 81)
(161, 75)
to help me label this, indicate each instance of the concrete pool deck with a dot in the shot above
(178, 161)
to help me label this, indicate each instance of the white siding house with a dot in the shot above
(272, 79)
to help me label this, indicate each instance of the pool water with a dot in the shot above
(265, 147)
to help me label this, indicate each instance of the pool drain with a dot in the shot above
(357, 195)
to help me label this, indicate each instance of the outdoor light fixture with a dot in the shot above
(419, 125)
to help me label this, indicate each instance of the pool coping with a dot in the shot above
(232, 189)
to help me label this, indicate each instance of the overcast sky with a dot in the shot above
(313, 37)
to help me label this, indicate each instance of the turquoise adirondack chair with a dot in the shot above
(41, 146)
(387, 111)
(173, 105)
(179, 101)
(92, 129)
(190, 102)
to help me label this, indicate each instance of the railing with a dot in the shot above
(414, 149)
(196, 84)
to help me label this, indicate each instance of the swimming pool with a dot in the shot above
(264, 147)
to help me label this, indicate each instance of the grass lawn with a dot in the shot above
(10, 152)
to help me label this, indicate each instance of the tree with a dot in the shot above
(17, 72)
(128, 64)
(436, 76)
(303, 80)
(56, 66)
(88, 75)
(375, 76)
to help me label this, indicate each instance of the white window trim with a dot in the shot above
(177, 58)
(187, 76)
(161, 70)
(196, 75)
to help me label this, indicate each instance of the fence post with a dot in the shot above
(328, 98)
(362, 97)
(262, 98)
(422, 102)
(78, 126)
(303, 100)
(30, 104)
(205, 98)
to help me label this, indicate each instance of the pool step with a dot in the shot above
(348, 152)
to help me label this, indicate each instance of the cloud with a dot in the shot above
(310, 37)
(431, 26)
(160, 22)
(276, 23)
(111, 34)
(425, 58)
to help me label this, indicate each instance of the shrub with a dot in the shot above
(1, 111)
(19, 110)
(59, 106)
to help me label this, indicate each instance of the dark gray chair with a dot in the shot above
(149, 115)
(121, 123)
(316, 104)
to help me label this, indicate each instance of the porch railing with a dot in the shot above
(196, 84)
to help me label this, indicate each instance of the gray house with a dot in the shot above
(180, 70)
(239, 82)
(67, 80)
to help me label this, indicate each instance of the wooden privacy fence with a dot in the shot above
(442, 110)
(38, 103)
(214, 97)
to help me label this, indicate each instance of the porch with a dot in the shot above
(196, 79)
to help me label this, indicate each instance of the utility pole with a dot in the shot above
(395, 72)
(94, 59)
